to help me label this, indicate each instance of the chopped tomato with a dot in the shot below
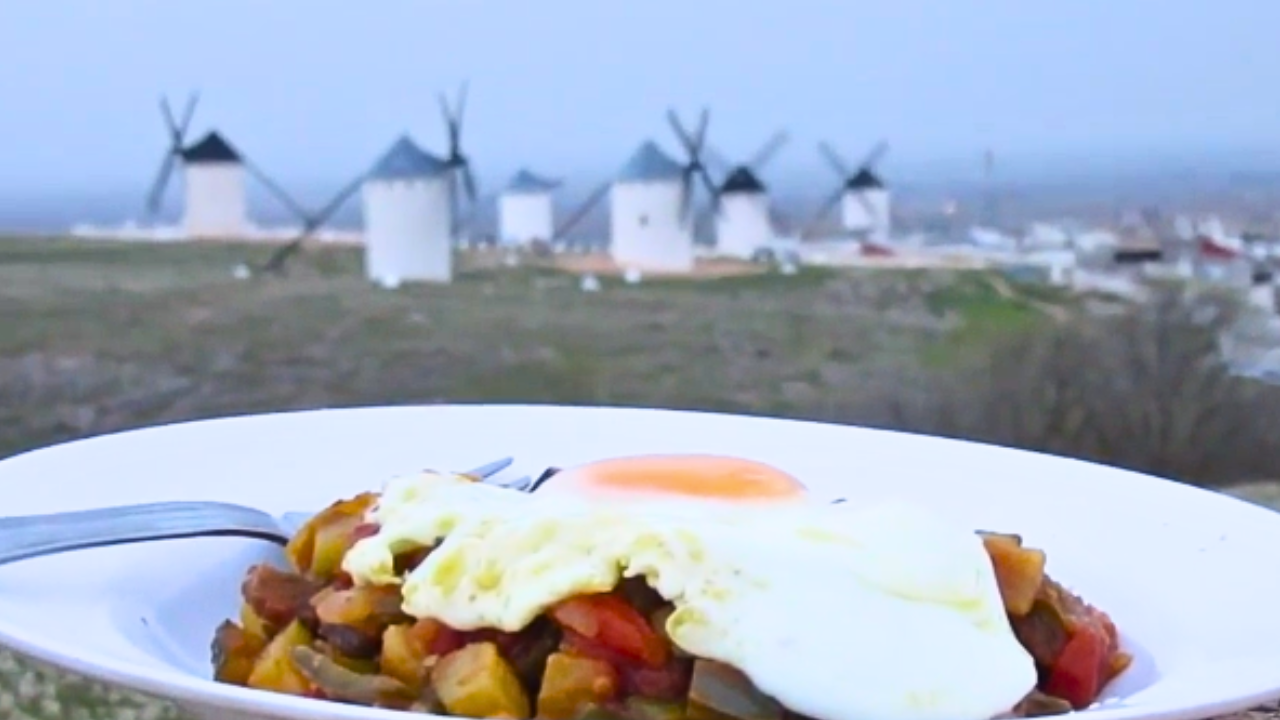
(1079, 672)
(668, 682)
(610, 621)
(576, 644)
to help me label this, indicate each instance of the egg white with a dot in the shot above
(883, 613)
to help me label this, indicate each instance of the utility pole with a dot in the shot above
(990, 213)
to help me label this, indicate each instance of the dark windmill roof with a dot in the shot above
(648, 164)
(865, 180)
(405, 160)
(527, 183)
(212, 148)
(742, 180)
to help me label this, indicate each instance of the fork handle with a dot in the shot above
(32, 536)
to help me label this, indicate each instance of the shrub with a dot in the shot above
(1145, 390)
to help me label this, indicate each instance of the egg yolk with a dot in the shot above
(702, 476)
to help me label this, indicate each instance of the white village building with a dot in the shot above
(408, 218)
(525, 210)
(214, 202)
(647, 230)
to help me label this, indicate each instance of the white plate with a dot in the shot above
(1189, 576)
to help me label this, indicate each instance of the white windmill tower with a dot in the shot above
(411, 208)
(214, 172)
(645, 224)
(407, 233)
(744, 216)
(214, 203)
(525, 212)
(865, 208)
(652, 203)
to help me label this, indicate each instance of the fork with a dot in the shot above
(33, 536)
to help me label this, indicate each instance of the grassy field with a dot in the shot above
(108, 336)
(99, 337)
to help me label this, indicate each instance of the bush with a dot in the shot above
(1145, 390)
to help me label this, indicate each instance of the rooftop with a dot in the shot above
(742, 180)
(211, 148)
(864, 180)
(648, 164)
(405, 160)
(526, 182)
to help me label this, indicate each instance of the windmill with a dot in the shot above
(215, 203)
(214, 173)
(651, 203)
(525, 211)
(862, 195)
(412, 210)
(740, 203)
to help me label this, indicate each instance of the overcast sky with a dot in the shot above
(315, 89)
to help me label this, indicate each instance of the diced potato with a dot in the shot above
(1019, 571)
(363, 605)
(404, 656)
(254, 624)
(570, 683)
(334, 538)
(235, 651)
(302, 546)
(477, 682)
(722, 692)
(275, 670)
(319, 545)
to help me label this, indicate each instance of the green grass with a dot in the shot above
(112, 335)
(984, 314)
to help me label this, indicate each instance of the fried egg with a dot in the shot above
(840, 613)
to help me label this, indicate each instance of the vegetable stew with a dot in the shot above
(310, 631)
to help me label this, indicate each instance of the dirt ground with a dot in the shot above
(600, 264)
